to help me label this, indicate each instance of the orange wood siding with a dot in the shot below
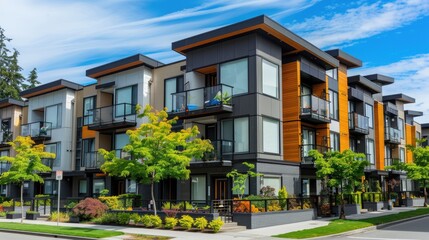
(410, 139)
(291, 110)
(379, 135)
(343, 108)
(322, 130)
(87, 133)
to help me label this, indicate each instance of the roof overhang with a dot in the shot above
(6, 102)
(413, 113)
(364, 82)
(380, 79)
(262, 23)
(122, 65)
(399, 97)
(50, 87)
(345, 58)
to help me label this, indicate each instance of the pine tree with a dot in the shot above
(31, 80)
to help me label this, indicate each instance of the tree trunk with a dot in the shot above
(425, 194)
(153, 197)
(342, 210)
(22, 202)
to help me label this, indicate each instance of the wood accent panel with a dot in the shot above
(207, 70)
(410, 139)
(86, 133)
(291, 79)
(379, 135)
(116, 69)
(322, 130)
(343, 108)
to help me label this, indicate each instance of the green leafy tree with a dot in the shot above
(341, 170)
(26, 165)
(239, 179)
(156, 152)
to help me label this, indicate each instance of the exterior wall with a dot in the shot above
(410, 139)
(343, 108)
(379, 135)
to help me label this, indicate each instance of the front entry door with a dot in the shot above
(220, 191)
(121, 187)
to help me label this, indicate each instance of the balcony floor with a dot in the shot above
(111, 126)
(314, 118)
(202, 112)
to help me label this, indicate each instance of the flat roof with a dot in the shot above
(345, 58)
(6, 102)
(381, 79)
(399, 97)
(122, 65)
(366, 83)
(50, 87)
(425, 125)
(413, 113)
(261, 22)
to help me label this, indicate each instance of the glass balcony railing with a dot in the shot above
(37, 130)
(306, 148)
(48, 162)
(223, 150)
(207, 99)
(5, 137)
(358, 123)
(92, 160)
(120, 115)
(4, 166)
(391, 161)
(314, 109)
(392, 135)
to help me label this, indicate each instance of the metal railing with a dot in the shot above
(223, 150)
(6, 136)
(37, 129)
(315, 107)
(202, 98)
(392, 135)
(391, 161)
(358, 123)
(48, 162)
(92, 160)
(306, 148)
(121, 112)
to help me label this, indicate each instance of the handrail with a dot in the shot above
(37, 129)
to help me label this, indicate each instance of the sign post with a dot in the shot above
(59, 177)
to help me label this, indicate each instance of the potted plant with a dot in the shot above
(43, 131)
(13, 215)
(31, 215)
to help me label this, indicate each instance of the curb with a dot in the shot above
(46, 234)
(385, 225)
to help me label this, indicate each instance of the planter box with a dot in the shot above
(373, 206)
(266, 219)
(74, 219)
(32, 216)
(208, 216)
(349, 209)
(414, 202)
(13, 215)
(387, 205)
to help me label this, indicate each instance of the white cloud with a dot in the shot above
(361, 22)
(411, 78)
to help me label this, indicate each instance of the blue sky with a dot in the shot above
(64, 38)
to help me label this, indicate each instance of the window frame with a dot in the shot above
(134, 100)
(233, 132)
(276, 121)
(277, 95)
(180, 86)
(333, 102)
(372, 154)
(402, 154)
(334, 136)
(192, 188)
(271, 176)
(59, 116)
(94, 106)
(370, 118)
(57, 160)
(401, 126)
(234, 89)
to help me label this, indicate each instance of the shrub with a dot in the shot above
(104, 192)
(268, 191)
(89, 208)
(111, 202)
(156, 221)
(64, 217)
(170, 206)
(170, 213)
(146, 221)
(107, 218)
(244, 207)
(136, 218)
(2, 214)
(186, 222)
(43, 200)
(186, 206)
(201, 223)
(130, 200)
(170, 222)
(216, 225)
(10, 203)
(282, 197)
(123, 218)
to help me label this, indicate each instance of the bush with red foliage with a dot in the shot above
(89, 208)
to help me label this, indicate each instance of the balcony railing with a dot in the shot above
(355, 94)
(92, 160)
(202, 101)
(223, 151)
(4, 166)
(5, 137)
(37, 130)
(120, 115)
(314, 109)
(358, 123)
(392, 135)
(391, 161)
(48, 162)
(306, 148)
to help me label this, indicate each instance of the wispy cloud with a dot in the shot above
(360, 22)
(411, 78)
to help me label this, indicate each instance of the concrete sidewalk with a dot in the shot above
(260, 233)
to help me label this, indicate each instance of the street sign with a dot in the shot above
(59, 175)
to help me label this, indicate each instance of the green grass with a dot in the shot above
(69, 231)
(340, 226)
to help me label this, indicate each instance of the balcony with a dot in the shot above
(5, 137)
(122, 115)
(306, 148)
(355, 94)
(392, 135)
(202, 101)
(91, 160)
(222, 154)
(38, 131)
(314, 109)
(48, 162)
(358, 124)
(4, 166)
(391, 161)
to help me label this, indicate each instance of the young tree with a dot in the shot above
(341, 170)
(239, 179)
(156, 152)
(26, 165)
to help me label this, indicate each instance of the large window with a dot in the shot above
(235, 74)
(131, 186)
(173, 85)
(272, 181)
(270, 135)
(89, 103)
(237, 130)
(333, 73)
(83, 187)
(401, 127)
(270, 78)
(370, 114)
(53, 115)
(55, 148)
(198, 187)
(98, 186)
(333, 105)
(50, 187)
(121, 139)
(402, 154)
(335, 141)
(125, 100)
(370, 151)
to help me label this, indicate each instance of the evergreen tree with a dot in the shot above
(31, 80)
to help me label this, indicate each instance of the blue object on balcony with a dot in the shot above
(213, 102)
(192, 107)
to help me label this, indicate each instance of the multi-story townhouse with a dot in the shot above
(48, 118)
(10, 119)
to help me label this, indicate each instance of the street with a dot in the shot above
(410, 230)
(8, 236)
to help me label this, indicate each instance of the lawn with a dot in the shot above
(340, 226)
(69, 231)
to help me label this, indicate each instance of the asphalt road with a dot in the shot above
(411, 230)
(16, 236)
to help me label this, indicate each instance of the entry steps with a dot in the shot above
(232, 227)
